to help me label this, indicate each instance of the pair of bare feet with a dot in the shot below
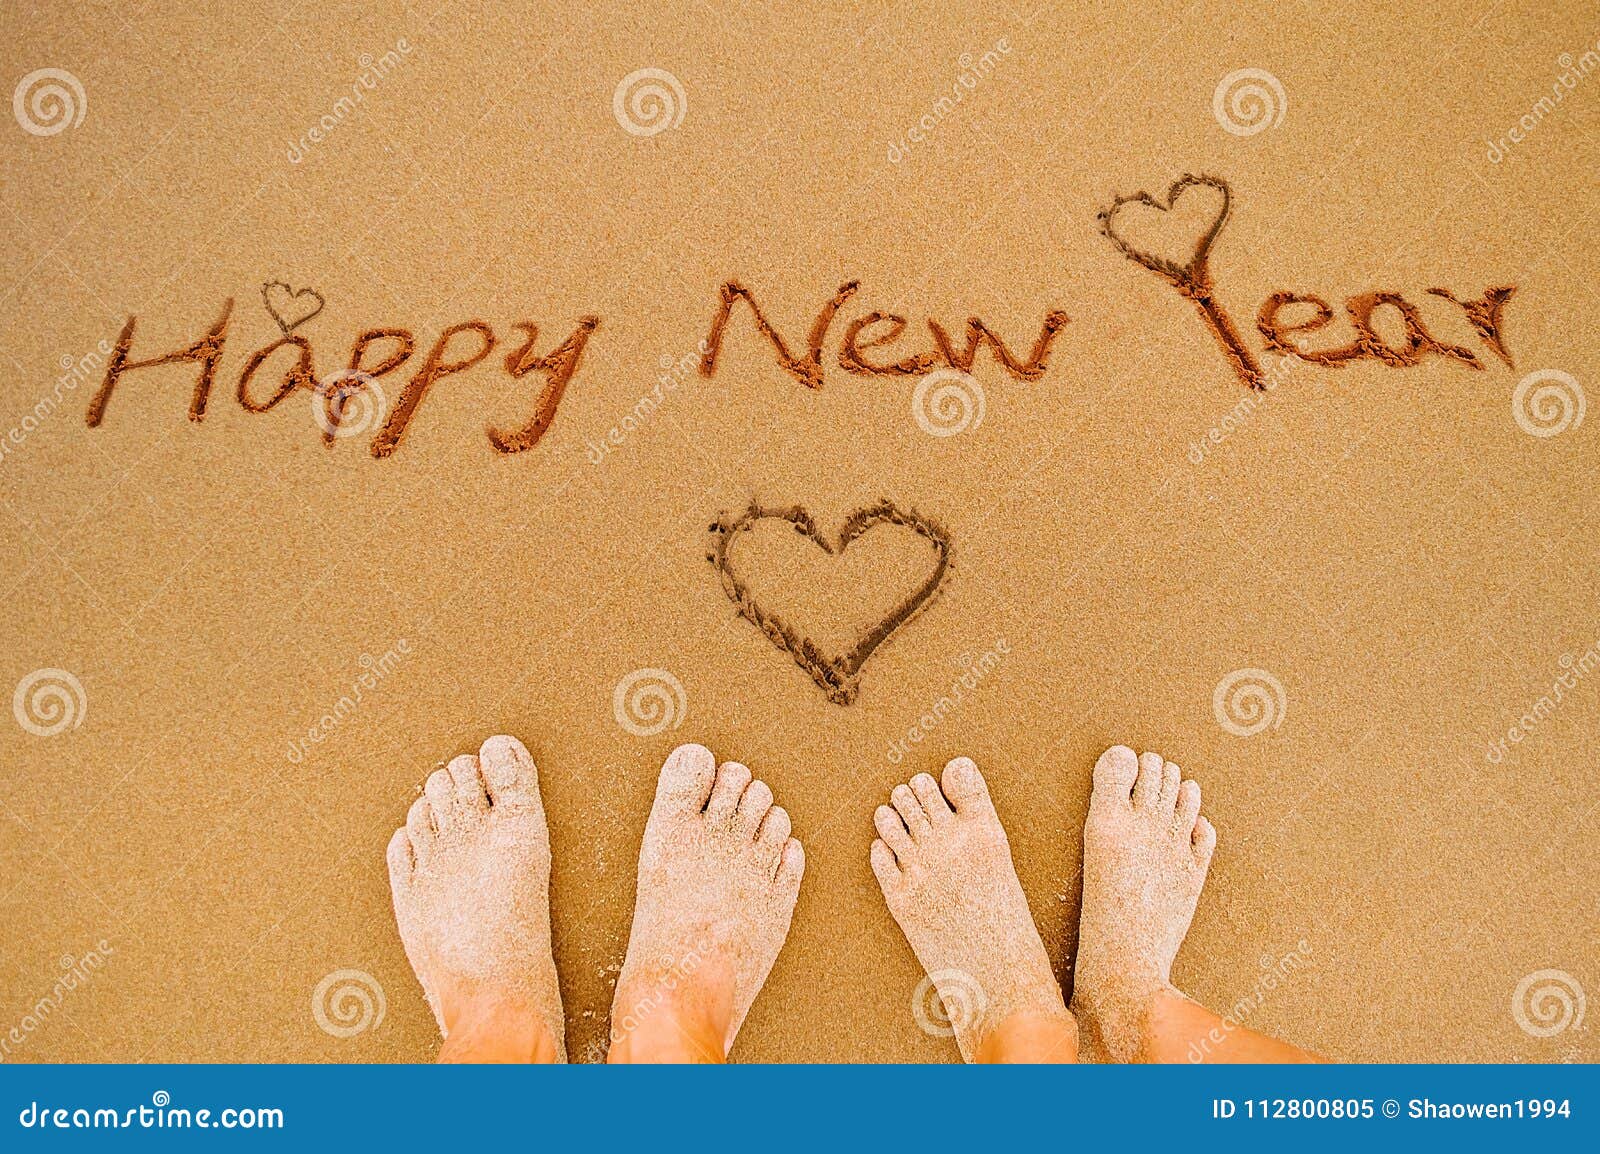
(718, 877)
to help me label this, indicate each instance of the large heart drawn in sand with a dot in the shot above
(838, 675)
(1165, 239)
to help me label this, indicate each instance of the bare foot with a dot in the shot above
(471, 878)
(718, 879)
(945, 867)
(1145, 854)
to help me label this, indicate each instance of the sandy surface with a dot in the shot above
(1412, 568)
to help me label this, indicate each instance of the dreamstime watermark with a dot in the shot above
(625, 1020)
(373, 70)
(1274, 971)
(1547, 1003)
(76, 971)
(948, 1000)
(1542, 708)
(673, 374)
(160, 1114)
(1548, 402)
(1572, 71)
(973, 72)
(76, 371)
(974, 671)
(330, 403)
(1249, 101)
(649, 101)
(348, 1002)
(1248, 701)
(1236, 418)
(947, 402)
(49, 100)
(373, 671)
(648, 701)
(49, 701)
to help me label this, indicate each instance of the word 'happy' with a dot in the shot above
(1149, 232)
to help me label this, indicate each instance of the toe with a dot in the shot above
(401, 859)
(773, 834)
(966, 789)
(911, 811)
(754, 806)
(731, 780)
(420, 828)
(440, 791)
(1114, 775)
(791, 867)
(933, 801)
(468, 784)
(1204, 841)
(508, 773)
(1188, 808)
(892, 831)
(885, 866)
(686, 779)
(1171, 778)
(1147, 786)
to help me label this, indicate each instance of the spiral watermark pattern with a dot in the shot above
(1547, 1003)
(649, 101)
(49, 701)
(1249, 101)
(1548, 402)
(648, 701)
(331, 408)
(948, 402)
(49, 100)
(347, 1003)
(1248, 701)
(946, 1001)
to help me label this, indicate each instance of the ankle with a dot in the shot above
(1030, 1037)
(495, 1029)
(1122, 1019)
(671, 1023)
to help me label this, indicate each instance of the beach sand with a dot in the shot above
(1133, 535)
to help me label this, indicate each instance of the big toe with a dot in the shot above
(1114, 775)
(509, 774)
(963, 784)
(686, 780)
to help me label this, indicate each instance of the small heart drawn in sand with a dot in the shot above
(1162, 230)
(289, 308)
(837, 675)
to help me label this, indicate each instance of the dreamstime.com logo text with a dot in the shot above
(1572, 71)
(630, 1018)
(673, 374)
(1273, 972)
(1238, 416)
(973, 72)
(160, 1114)
(1543, 707)
(75, 972)
(75, 372)
(373, 70)
(373, 671)
(974, 671)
